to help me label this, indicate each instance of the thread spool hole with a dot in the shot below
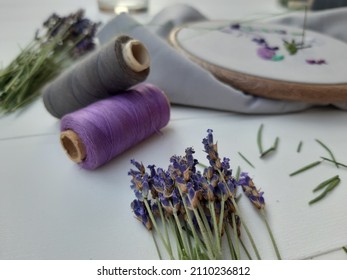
(72, 145)
(140, 54)
(136, 55)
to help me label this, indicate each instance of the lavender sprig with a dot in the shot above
(58, 44)
(198, 207)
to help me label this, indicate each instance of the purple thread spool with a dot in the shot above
(94, 135)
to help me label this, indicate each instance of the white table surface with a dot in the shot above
(52, 209)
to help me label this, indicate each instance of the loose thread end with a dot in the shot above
(136, 56)
(73, 146)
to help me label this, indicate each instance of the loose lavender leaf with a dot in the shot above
(336, 162)
(332, 186)
(259, 138)
(245, 159)
(325, 183)
(328, 150)
(298, 149)
(306, 167)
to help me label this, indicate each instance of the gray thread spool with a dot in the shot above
(115, 67)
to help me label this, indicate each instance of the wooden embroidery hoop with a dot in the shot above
(196, 42)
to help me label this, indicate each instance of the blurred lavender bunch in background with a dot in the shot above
(59, 42)
(196, 209)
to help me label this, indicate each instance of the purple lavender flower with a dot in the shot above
(141, 213)
(165, 203)
(194, 193)
(139, 166)
(249, 189)
(141, 182)
(211, 150)
(74, 30)
(163, 183)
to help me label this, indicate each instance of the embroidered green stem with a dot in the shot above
(304, 27)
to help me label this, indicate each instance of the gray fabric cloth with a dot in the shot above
(325, 4)
(185, 82)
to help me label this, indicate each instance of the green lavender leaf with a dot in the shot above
(259, 139)
(245, 159)
(298, 149)
(271, 149)
(306, 167)
(325, 183)
(336, 162)
(328, 150)
(328, 189)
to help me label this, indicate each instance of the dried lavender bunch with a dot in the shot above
(59, 42)
(199, 207)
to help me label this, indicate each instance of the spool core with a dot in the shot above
(73, 146)
(136, 55)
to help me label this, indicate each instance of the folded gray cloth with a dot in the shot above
(324, 4)
(187, 83)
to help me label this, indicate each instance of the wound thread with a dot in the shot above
(114, 68)
(110, 126)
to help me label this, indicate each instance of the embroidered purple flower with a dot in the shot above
(269, 53)
(266, 51)
(316, 62)
(235, 26)
(260, 41)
